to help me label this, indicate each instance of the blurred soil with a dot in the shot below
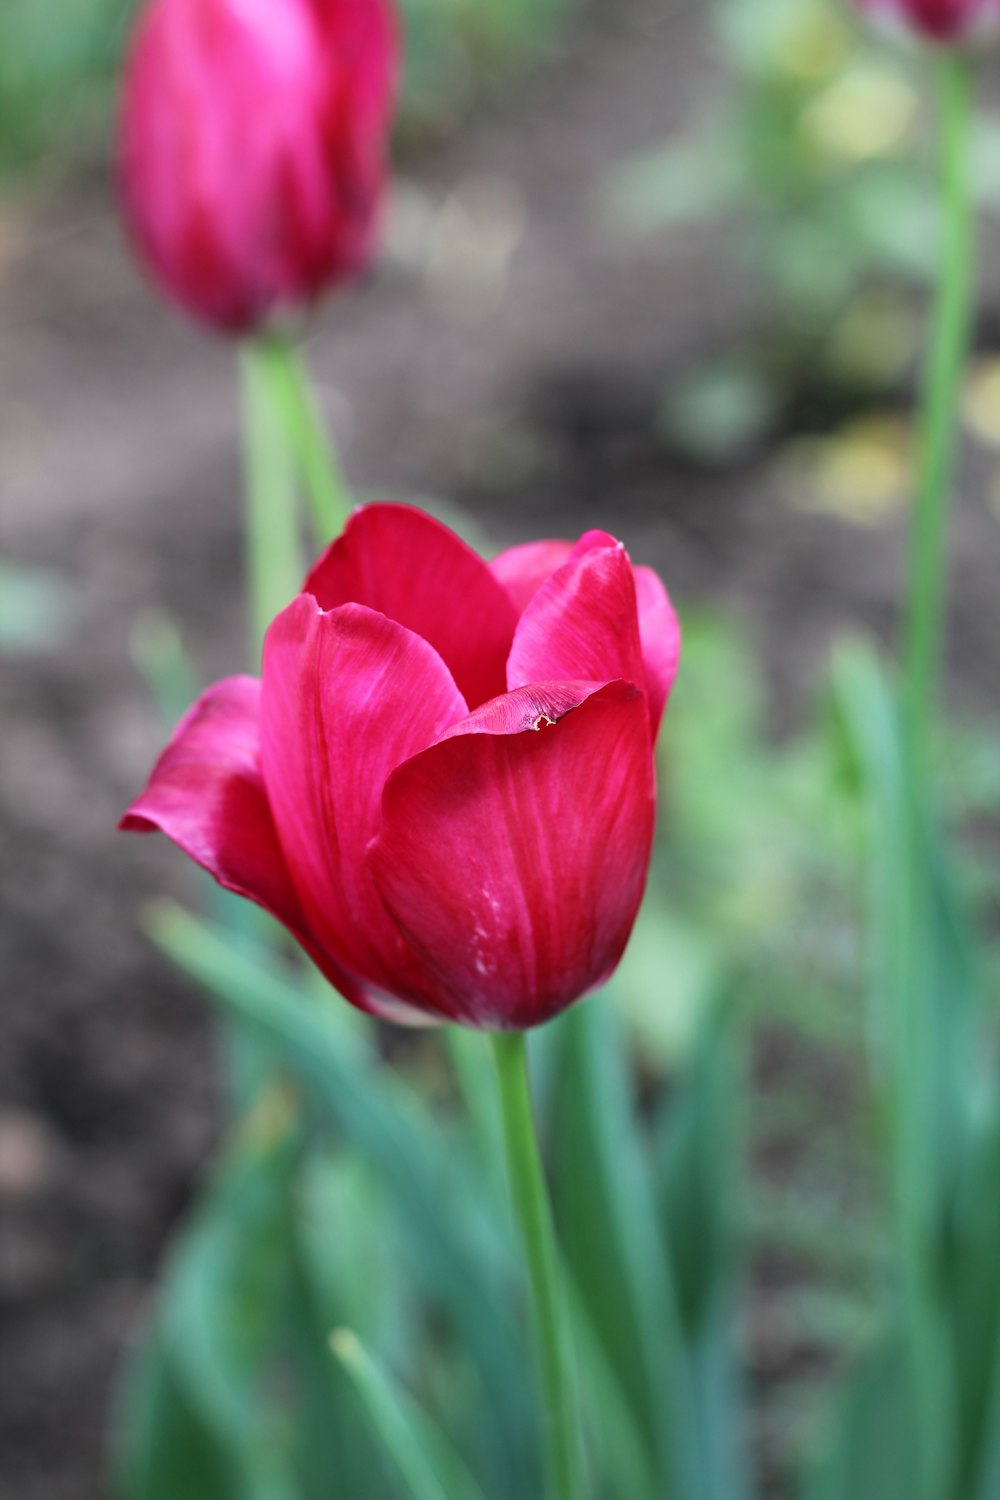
(509, 356)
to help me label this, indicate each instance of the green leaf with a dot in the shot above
(925, 1001)
(974, 1307)
(162, 660)
(698, 1172)
(666, 982)
(431, 1469)
(455, 1243)
(609, 1229)
(926, 1016)
(699, 1194)
(619, 1448)
(193, 1416)
(344, 1265)
(870, 1450)
(166, 1447)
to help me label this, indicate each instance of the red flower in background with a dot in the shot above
(443, 784)
(940, 20)
(252, 148)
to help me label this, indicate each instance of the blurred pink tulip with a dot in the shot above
(252, 149)
(945, 21)
(443, 785)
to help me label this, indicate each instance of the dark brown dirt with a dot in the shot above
(509, 357)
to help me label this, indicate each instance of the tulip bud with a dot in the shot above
(252, 149)
(949, 22)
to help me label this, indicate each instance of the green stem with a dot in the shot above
(326, 488)
(531, 1203)
(925, 608)
(945, 359)
(274, 563)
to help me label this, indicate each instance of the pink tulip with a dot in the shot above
(946, 21)
(443, 783)
(252, 149)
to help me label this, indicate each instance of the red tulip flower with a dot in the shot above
(252, 148)
(443, 783)
(945, 21)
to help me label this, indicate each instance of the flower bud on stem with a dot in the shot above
(531, 1204)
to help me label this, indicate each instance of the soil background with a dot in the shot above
(509, 356)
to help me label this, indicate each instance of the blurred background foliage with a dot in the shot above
(822, 157)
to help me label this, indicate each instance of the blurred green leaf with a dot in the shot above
(193, 1417)
(665, 982)
(721, 410)
(429, 1465)
(925, 1001)
(870, 1449)
(926, 1016)
(56, 80)
(162, 660)
(700, 1135)
(616, 1444)
(457, 1252)
(699, 1177)
(342, 1265)
(891, 217)
(37, 608)
(974, 1307)
(609, 1229)
(686, 180)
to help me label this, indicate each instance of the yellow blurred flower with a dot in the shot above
(981, 401)
(867, 112)
(861, 474)
(817, 42)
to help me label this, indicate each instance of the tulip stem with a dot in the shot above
(946, 355)
(274, 563)
(534, 1214)
(326, 488)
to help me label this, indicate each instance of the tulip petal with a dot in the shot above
(207, 795)
(583, 622)
(513, 853)
(347, 696)
(409, 566)
(522, 570)
(576, 615)
(660, 638)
